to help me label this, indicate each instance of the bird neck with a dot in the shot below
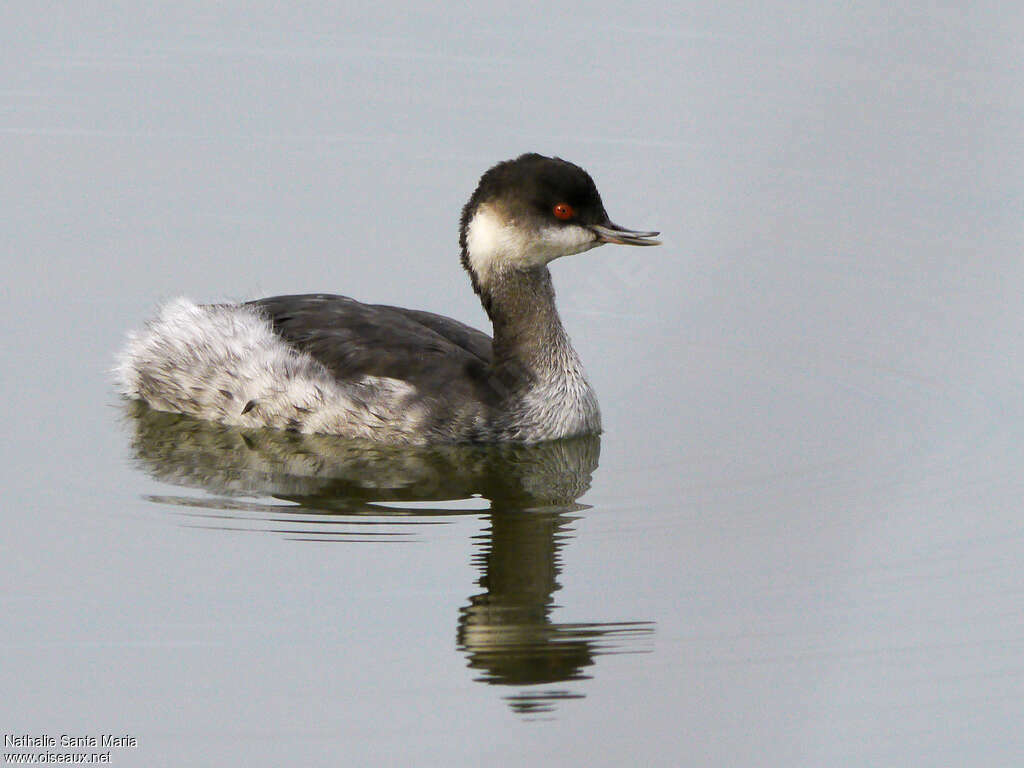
(527, 328)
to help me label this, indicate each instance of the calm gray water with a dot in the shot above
(800, 540)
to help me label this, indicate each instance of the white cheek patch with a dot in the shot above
(489, 242)
(494, 242)
(565, 241)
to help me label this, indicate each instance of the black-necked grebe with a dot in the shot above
(329, 364)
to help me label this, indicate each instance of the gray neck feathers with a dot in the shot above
(528, 334)
(527, 328)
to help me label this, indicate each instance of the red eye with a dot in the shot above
(563, 211)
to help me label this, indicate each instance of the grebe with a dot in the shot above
(329, 364)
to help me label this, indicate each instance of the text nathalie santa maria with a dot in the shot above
(46, 741)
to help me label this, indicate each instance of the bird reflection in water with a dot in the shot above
(335, 489)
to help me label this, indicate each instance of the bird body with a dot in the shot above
(321, 363)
